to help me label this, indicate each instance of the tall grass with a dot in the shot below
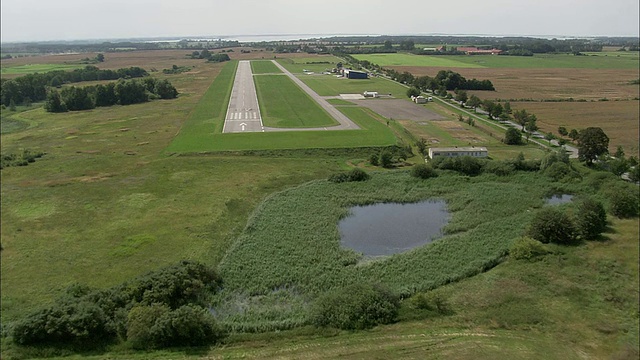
(292, 240)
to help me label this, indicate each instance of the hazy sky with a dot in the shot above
(31, 20)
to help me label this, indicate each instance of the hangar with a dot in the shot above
(353, 74)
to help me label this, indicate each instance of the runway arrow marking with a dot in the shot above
(242, 125)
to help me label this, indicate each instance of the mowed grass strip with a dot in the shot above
(208, 116)
(264, 67)
(372, 133)
(35, 68)
(283, 104)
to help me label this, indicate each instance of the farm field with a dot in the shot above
(128, 189)
(618, 119)
(283, 104)
(554, 84)
(537, 61)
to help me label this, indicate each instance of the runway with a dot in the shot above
(243, 113)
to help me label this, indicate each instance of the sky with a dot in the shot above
(42, 20)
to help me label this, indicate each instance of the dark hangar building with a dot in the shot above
(352, 74)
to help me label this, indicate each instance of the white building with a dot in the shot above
(479, 152)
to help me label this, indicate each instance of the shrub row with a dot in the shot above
(161, 308)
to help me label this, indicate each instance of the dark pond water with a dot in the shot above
(385, 229)
(559, 199)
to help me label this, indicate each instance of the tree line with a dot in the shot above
(123, 92)
(33, 87)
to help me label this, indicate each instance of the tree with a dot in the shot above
(549, 136)
(407, 45)
(574, 134)
(106, 95)
(592, 142)
(386, 159)
(423, 171)
(590, 219)
(473, 102)
(205, 54)
(619, 154)
(54, 103)
(513, 137)
(507, 108)
(100, 58)
(531, 126)
(551, 225)
(412, 91)
(422, 146)
(522, 118)
(562, 131)
(77, 98)
(165, 90)
(461, 96)
(388, 45)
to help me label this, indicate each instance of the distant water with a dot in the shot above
(391, 228)
(559, 199)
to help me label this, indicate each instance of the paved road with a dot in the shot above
(345, 122)
(243, 114)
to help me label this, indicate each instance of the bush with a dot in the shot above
(558, 171)
(75, 323)
(386, 159)
(88, 317)
(551, 225)
(355, 174)
(623, 202)
(527, 248)
(464, 164)
(431, 301)
(374, 160)
(359, 306)
(157, 326)
(499, 168)
(513, 137)
(590, 219)
(423, 171)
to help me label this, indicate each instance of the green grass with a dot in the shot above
(283, 104)
(401, 59)
(372, 133)
(37, 68)
(202, 131)
(328, 85)
(522, 62)
(264, 67)
(298, 68)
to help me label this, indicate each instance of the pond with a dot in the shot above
(559, 199)
(391, 228)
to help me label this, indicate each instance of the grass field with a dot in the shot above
(202, 131)
(401, 59)
(326, 85)
(283, 104)
(264, 67)
(537, 61)
(36, 68)
(111, 200)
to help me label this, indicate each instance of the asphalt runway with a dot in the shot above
(243, 113)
